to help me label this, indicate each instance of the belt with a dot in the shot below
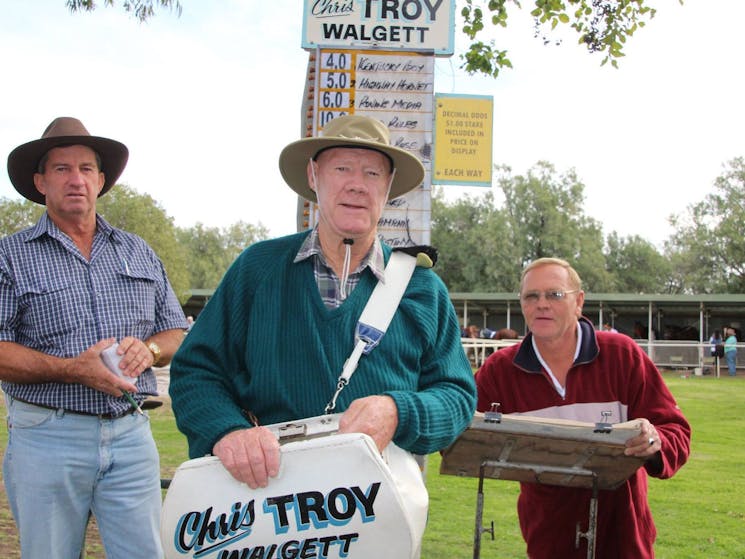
(108, 415)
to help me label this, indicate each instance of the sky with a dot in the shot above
(206, 101)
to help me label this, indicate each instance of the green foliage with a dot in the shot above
(636, 265)
(708, 249)
(484, 246)
(211, 250)
(140, 9)
(546, 214)
(603, 26)
(468, 225)
(18, 214)
(140, 214)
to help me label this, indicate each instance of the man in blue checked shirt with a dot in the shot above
(70, 287)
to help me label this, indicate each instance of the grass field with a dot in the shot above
(700, 513)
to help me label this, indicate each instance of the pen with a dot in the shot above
(134, 404)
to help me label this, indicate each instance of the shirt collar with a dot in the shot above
(587, 345)
(45, 226)
(374, 258)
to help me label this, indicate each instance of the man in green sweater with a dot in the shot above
(272, 341)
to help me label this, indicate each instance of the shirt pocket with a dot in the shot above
(47, 307)
(137, 292)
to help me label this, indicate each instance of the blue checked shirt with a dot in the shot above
(328, 282)
(55, 301)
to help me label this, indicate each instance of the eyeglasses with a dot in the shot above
(532, 297)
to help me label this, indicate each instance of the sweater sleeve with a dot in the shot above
(654, 401)
(432, 417)
(201, 386)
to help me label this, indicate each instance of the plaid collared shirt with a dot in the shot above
(328, 282)
(55, 301)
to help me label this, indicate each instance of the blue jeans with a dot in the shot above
(59, 466)
(731, 362)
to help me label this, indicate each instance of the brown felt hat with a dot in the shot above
(23, 161)
(350, 131)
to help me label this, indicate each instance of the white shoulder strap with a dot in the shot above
(383, 302)
(377, 314)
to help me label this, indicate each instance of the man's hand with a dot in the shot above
(89, 369)
(136, 357)
(250, 455)
(376, 416)
(646, 444)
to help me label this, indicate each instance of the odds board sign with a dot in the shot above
(386, 24)
(463, 140)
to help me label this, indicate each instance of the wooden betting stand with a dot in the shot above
(540, 450)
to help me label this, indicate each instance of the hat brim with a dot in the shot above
(293, 163)
(23, 161)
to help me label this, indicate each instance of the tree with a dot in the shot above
(238, 236)
(547, 218)
(141, 9)
(18, 214)
(603, 26)
(484, 247)
(211, 250)
(204, 247)
(636, 265)
(474, 244)
(140, 214)
(707, 250)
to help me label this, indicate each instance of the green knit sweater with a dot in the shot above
(265, 343)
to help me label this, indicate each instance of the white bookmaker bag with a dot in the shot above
(336, 496)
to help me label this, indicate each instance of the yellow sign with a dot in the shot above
(463, 140)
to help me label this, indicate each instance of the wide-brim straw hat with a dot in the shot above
(23, 161)
(351, 131)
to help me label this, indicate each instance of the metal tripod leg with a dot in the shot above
(591, 534)
(537, 470)
(479, 517)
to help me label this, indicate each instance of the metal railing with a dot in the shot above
(667, 354)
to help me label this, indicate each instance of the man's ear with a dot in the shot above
(39, 183)
(101, 181)
(309, 171)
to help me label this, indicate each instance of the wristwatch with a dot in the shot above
(155, 350)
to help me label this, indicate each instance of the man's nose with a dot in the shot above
(76, 176)
(356, 180)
